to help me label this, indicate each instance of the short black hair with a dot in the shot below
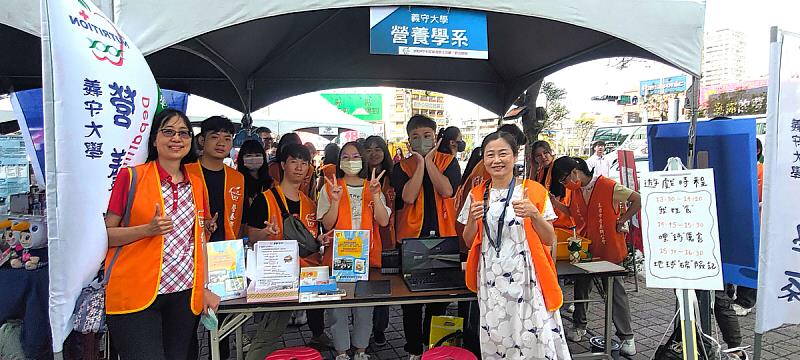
(217, 124)
(331, 154)
(420, 121)
(286, 139)
(263, 129)
(158, 122)
(514, 130)
(502, 135)
(759, 148)
(296, 151)
(598, 143)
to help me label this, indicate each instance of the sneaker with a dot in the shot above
(380, 338)
(360, 356)
(321, 340)
(627, 348)
(414, 357)
(741, 310)
(739, 353)
(576, 334)
(342, 357)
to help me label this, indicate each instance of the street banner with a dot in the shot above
(778, 300)
(629, 178)
(428, 31)
(99, 101)
(680, 230)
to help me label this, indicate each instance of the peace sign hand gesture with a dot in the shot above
(336, 191)
(211, 225)
(375, 182)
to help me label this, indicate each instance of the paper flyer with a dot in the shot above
(277, 271)
(226, 268)
(351, 255)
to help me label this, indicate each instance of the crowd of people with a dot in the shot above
(161, 212)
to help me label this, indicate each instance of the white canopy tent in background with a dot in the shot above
(316, 112)
(248, 55)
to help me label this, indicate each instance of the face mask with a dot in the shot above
(253, 163)
(573, 185)
(462, 145)
(422, 146)
(351, 167)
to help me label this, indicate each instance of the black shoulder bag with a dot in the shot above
(293, 229)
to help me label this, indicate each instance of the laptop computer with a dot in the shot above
(431, 264)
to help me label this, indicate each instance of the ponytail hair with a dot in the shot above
(446, 135)
(565, 164)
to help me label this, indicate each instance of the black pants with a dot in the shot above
(316, 321)
(160, 332)
(380, 319)
(745, 296)
(726, 318)
(417, 331)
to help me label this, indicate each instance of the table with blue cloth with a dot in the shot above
(25, 296)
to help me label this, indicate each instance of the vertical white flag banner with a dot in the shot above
(778, 300)
(99, 100)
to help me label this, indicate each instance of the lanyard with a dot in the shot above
(496, 245)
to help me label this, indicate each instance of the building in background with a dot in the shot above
(409, 102)
(723, 57)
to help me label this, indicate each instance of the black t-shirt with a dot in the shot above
(215, 187)
(259, 211)
(431, 221)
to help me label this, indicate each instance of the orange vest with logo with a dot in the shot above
(344, 221)
(409, 221)
(234, 198)
(136, 275)
(597, 221)
(564, 221)
(540, 254)
(308, 215)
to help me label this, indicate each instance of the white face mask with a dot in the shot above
(351, 167)
(253, 163)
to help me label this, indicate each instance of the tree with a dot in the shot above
(534, 121)
(583, 126)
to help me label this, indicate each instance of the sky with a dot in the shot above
(752, 17)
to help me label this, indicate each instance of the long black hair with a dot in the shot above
(446, 135)
(253, 186)
(364, 166)
(474, 158)
(158, 122)
(565, 164)
(387, 164)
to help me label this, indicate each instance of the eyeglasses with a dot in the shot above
(184, 134)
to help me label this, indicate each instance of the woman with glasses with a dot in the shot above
(507, 224)
(595, 204)
(157, 221)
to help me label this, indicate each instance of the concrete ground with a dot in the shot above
(651, 312)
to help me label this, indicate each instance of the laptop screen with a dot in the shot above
(430, 254)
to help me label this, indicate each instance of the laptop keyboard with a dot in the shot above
(441, 280)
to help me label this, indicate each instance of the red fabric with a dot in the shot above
(448, 353)
(295, 353)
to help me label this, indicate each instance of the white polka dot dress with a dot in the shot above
(515, 323)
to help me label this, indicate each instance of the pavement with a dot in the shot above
(652, 310)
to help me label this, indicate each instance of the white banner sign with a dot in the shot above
(779, 260)
(680, 230)
(99, 100)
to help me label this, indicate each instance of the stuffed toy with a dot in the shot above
(22, 235)
(5, 247)
(16, 247)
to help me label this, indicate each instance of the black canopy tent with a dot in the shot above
(254, 64)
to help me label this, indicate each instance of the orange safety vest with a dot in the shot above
(344, 221)
(135, 277)
(308, 215)
(540, 254)
(597, 221)
(564, 221)
(234, 197)
(328, 170)
(409, 221)
(760, 169)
